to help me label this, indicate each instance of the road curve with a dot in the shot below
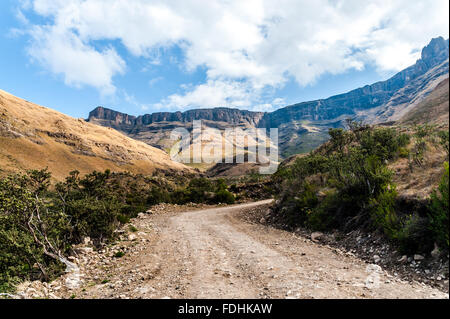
(214, 253)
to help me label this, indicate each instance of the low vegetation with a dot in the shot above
(346, 184)
(40, 223)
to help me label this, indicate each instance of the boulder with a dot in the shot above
(316, 236)
(436, 252)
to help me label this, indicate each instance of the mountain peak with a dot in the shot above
(436, 49)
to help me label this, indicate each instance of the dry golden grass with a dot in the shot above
(35, 137)
(418, 181)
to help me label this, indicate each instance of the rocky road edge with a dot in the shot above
(431, 269)
(93, 267)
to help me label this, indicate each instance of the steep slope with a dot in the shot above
(35, 137)
(302, 126)
(433, 110)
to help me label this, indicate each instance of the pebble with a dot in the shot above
(403, 259)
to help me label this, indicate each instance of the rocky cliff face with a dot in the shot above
(226, 115)
(400, 89)
(303, 126)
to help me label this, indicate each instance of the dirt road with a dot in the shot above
(213, 253)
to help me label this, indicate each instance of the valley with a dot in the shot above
(97, 207)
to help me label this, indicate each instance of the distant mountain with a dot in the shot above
(35, 137)
(302, 126)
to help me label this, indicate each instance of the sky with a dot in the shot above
(144, 56)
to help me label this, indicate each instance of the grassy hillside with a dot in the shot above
(35, 137)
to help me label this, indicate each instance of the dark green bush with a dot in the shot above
(325, 216)
(224, 196)
(203, 190)
(119, 254)
(93, 218)
(339, 139)
(439, 209)
(158, 195)
(414, 235)
(384, 143)
(198, 190)
(384, 214)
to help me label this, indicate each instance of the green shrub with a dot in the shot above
(439, 209)
(444, 140)
(339, 138)
(224, 196)
(158, 195)
(31, 235)
(198, 189)
(132, 229)
(123, 219)
(422, 134)
(325, 216)
(403, 152)
(93, 218)
(119, 254)
(414, 236)
(384, 214)
(384, 143)
(358, 175)
(299, 203)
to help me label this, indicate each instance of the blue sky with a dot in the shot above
(141, 56)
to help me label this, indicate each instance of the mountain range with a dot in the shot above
(302, 126)
(418, 94)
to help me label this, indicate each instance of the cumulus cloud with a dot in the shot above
(244, 46)
(214, 93)
(79, 64)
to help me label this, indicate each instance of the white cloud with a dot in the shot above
(245, 46)
(79, 64)
(214, 93)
